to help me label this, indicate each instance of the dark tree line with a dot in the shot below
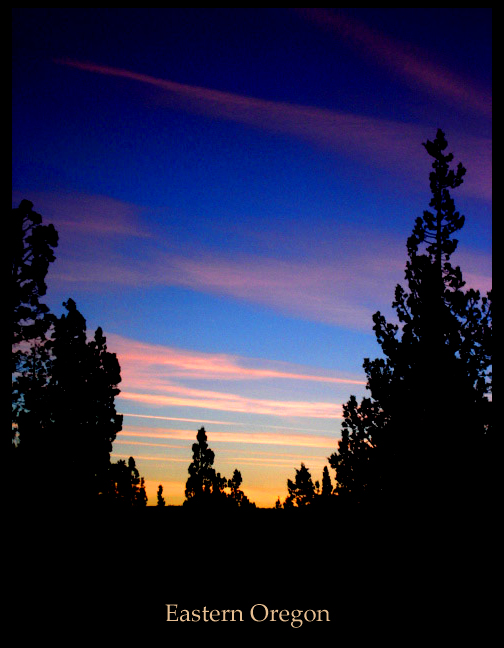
(305, 493)
(64, 419)
(206, 488)
(424, 436)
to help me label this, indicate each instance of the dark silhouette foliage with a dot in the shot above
(301, 490)
(160, 498)
(327, 487)
(63, 387)
(128, 488)
(83, 387)
(66, 417)
(304, 493)
(425, 433)
(32, 248)
(204, 485)
(205, 488)
(237, 496)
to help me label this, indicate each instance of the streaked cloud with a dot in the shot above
(201, 421)
(345, 290)
(344, 287)
(147, 457)
(157, 375)
(177, 418)
(138, 358)
(329, 291)
(413, 65)
(178, 396)
(383, 143)
(247, 438)
(88, 215)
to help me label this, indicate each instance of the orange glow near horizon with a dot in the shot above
(282, 452)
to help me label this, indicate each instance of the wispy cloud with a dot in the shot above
(178, 418)
(383, 143)
(343, 289)
(155, 375)
(139, 360)
(243, 423)
(88, 215)
(247, 438)
(178, 396)
(413, 65)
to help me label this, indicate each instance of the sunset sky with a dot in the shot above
(233, 190)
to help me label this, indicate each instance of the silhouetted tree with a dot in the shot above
(83, 388)
(301, 490)
(66, 417)
(63, 388)
(141, 495)
(425, 431)
(122, 492)
(237, 496)
(160, 498)
(205, 487)
(32, 246)
(204, 484)
(29, 399)
(127, 487)
(327, 488)
(235, 483)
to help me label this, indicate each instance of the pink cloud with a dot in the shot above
(178, 418)
(344, 290)
(140, 360)
(80, 214)
(410, 63)
(383, 143)
(178, 396)
(201, 421)
(247, 438)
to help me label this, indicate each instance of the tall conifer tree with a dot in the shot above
(425, 431)
(204, 485)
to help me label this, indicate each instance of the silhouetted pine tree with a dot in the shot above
(425, 432)
(302, 489)
(66, 417)
(127, 487)
(327, 487)
(141, 495)
(30, 387)
(82, 391)
(204, 485)
(32, 246)
(160, 498)
(234, 485)
(237, 496)
(63, 387)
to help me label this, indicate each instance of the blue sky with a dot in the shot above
(233, 189)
